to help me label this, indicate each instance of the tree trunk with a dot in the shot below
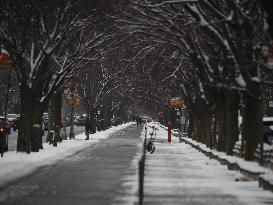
(207, 135)
(55, 106)
(30, 125)
(195, 124)
(232, 132)
(104, 111)
(214, 128)
(36, 134)
(205, 119)
(253, 121)
(191, 126)
(93, 122)
(220, 120)
(23, 141)
(99, 120)
(87, 125)
(198, 122)
(110, 115)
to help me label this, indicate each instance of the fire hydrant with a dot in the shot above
(169, 132)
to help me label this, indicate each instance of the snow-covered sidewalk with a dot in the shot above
(15, 165)
(251, 169)
(176, 173)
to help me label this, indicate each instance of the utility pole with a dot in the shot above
(73, 101)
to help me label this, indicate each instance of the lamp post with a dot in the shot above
(71, 133)
(73, 102)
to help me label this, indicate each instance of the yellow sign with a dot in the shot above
(70, 101)
(77, 102)
(176, 102)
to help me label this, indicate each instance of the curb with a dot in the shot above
(264, 183)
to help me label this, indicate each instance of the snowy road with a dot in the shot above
(104, 171)
(178, 174)
(95, 175)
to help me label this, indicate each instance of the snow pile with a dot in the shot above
(14, 165)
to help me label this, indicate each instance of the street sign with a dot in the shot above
(176, 102)
(70, 101)
(77, 102)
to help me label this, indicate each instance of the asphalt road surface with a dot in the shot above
(92, 176)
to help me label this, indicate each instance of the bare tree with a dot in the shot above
(222, 41)
(46, 46)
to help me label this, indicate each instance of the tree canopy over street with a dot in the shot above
(120, 56)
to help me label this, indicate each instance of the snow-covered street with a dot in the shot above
(15, 165)
(104, 170)
(140, 102)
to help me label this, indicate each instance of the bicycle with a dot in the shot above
(150, 147)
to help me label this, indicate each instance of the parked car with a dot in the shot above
(45, 121)
(268, 130)
(15, 123)
(11, 117)
(45, 124)
(7, 124)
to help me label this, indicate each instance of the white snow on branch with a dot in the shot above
(167, 2)
(240, 81)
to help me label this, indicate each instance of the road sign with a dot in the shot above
(70, 101)
(77, 102)
(176, 102)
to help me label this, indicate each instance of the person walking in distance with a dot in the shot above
(139, 121)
